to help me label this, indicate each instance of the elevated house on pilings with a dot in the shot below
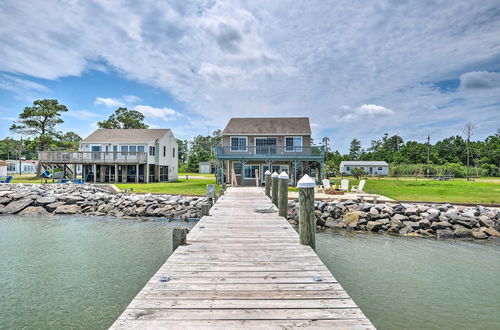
(251, 146)
(119, 155)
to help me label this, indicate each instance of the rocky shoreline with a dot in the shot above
(425, 220)
(49, 199)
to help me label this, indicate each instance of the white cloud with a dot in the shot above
(373, 110)
(109, 102)
(267, 58)
(159, 113)
(131, 98)
(366, 111)
(81, 114)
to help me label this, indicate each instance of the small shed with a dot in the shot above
(206, 168)
(3, 168)
(370, 167)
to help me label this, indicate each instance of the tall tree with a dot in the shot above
(39, 121)
(355, 149)
(69, 141)
(124, 118)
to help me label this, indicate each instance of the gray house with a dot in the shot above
(251, 146)
(370, 167)
(120, 155)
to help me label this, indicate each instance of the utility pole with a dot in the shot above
(468, 129)
(428, 152)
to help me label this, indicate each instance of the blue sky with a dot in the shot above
(357, 69)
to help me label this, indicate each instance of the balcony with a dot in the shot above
(310, 153)
(90, 157)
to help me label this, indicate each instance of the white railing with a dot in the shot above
(82, 157)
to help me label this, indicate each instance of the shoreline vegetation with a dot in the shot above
(435, 220)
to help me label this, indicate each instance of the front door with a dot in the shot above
(371, 170)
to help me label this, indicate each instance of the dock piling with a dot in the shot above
(179, 235)
(205, 209)
(274, 188)
(307, 218)
(267, 181)
(283, 194)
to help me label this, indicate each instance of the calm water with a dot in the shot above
(81, 272)
(411, 283)
(76, 272)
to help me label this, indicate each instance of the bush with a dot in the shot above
(357, 172)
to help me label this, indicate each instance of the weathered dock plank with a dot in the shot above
(243, 269)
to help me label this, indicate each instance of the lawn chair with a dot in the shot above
(344, 185)
(326, 184)
(9, 178)
(359, 188)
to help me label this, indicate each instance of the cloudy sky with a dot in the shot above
(356, 68)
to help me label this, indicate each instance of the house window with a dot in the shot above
(279, 168)
(11, 167)
(140, 148)
(124, 149)
(151, 151)
(347, 168)
(265, 146)
(238, 143)
(293, 143)
(164, 151)
(173, 152)
(237, 168)
(249, 171)
(133, 150)
(380, 168)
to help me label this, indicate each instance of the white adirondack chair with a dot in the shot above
(326, 184)
(359, 188)
(344, 185)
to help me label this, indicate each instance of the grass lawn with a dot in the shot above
(183, 174)
(455, 191)
(182, 187)
(25, 178)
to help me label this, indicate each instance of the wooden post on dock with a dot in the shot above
(179, 235)
(283, 194)
(307, 218)
(267, 181)
(205, 209)
(274, 188)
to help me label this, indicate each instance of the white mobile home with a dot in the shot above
(370, 167)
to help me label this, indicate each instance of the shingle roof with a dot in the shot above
(125, 135)
(257, 126)
(362, 162)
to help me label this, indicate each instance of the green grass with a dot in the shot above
(183, 174)
(181, 187)
(25, 178)
(455, 191)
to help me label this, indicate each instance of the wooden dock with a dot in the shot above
(243, 269)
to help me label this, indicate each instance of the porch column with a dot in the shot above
(102, 176)
(124, 173)
(74, 171)
(136, 173)
(242, 176)
(116, 173)
(157, 173)
(52, 168)
(146, 173)
(94, 172)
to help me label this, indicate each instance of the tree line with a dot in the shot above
(447, 156)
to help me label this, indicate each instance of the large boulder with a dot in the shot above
(485, 221)
(492, 232)
(71, 199)
(16, 206)
(412, 211)
(461, 231)
(4, 200)
(374, 225)
(440, 225)
(34, 210)
(52, 206)
(45, 200)
(479, 234)
(68, 209)
(351, 219)
(424, 223)
(445, 233)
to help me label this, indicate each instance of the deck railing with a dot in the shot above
(82, 157)
(295, 152)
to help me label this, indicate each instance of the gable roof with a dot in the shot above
(126, 135)
(363, 162)
(268, 126)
